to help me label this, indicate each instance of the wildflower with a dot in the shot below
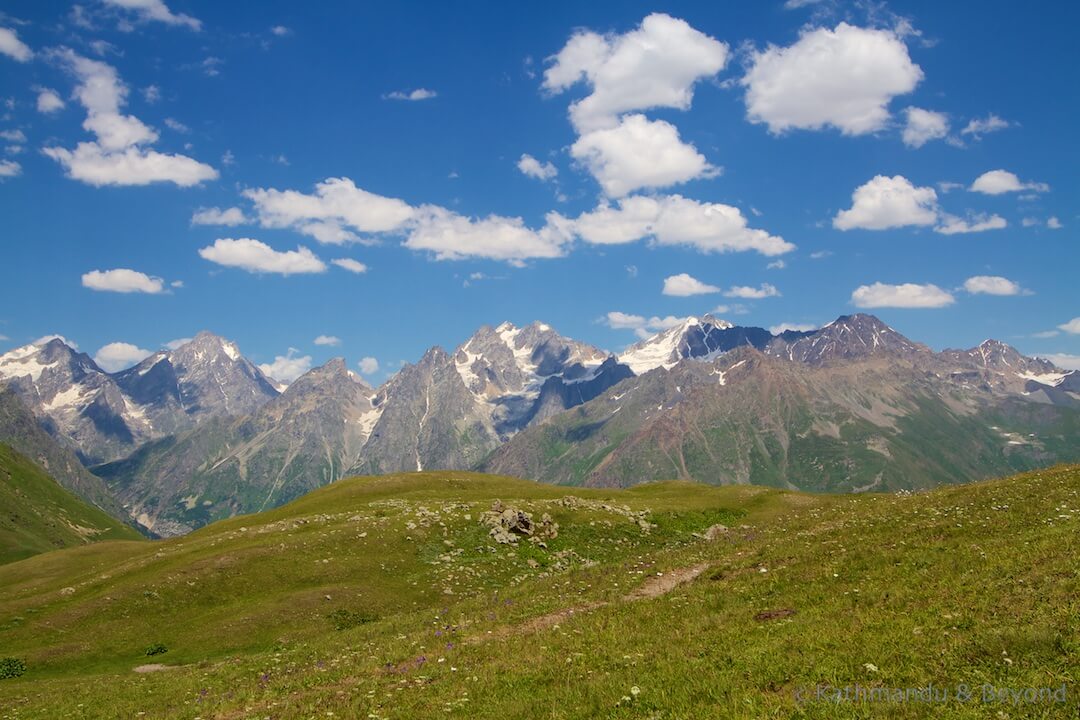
(635, 691)
(871, 667)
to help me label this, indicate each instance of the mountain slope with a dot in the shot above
(21, 430)
(38, 515)
(300, 440)
(847, 415)
(389, 597)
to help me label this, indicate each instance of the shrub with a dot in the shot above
(156, 649)
(11, 667)
(344, 619)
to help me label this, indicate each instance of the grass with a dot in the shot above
(38, 515)
(384, 597)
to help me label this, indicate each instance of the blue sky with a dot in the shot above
(914, 160)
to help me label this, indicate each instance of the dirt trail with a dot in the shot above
(653, 587)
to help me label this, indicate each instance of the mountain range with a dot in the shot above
(198, 433)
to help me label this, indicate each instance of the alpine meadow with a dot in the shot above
(557, 360)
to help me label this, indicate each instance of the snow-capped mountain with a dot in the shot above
(205, 377)
(701, 338)
(106, 416)
(847, 338)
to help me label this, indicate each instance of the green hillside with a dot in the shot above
(37, 515)
(389, 598)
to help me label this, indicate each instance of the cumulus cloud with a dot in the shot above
(639, 153)
(675, 220)
(532, 167)
(992, 285)
(329, 340)
(885, 202)
(118, 156)
(1053, 223)
(642, 326)
(10, 169)
(353, 266)
(684, 285)
(923, 126)
(450, 236)
(48, 101)
(333, 214)
(751, 293)
(999, 182)
(978, 127)
(13, 47)
(368, 365)
(122, 280)
(844, 78)
(287, 367)
(258, 257)
(413, 95)
(177, 343)
(907, 295)
(117, 356)
(1072, 327)
(17, 136)
(655, 65)
(155, 11)
(978, 222)
(230, 217)
(795, 327)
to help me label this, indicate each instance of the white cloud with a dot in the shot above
(979, 127)
(258, 257)
(820, 254)
(844, 78)
(683, 285)
(414, 95)
(450, 236)
(231, 217)
(16, 136)
(118, 156)
(655, 65)
(368, 365)
(1029, 222)
(1072, 327)
(287, 367)
(176, 126)
(998, 182)
(796, 327)
(151, 94)
(532, 167)
(10, 168)
(280, 30)
(48, 101)
(1063, 360)
(1053, 223)
(776, 265)
(119, 355)
(980, 222)
(907, 295)
(639, 153)
(134, 166)
(122, 280)
(924, 126)
(353, 266)
(332, 213)
(13, 47)
(330, 340)
(643, 327)
(675, 220)
(992, 285)
(751, 293)
(178, 342)
(885, 202)
(155, 10)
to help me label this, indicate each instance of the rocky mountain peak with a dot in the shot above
(850, 337)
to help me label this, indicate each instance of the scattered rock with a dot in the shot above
(67, 591)
(715, 532)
